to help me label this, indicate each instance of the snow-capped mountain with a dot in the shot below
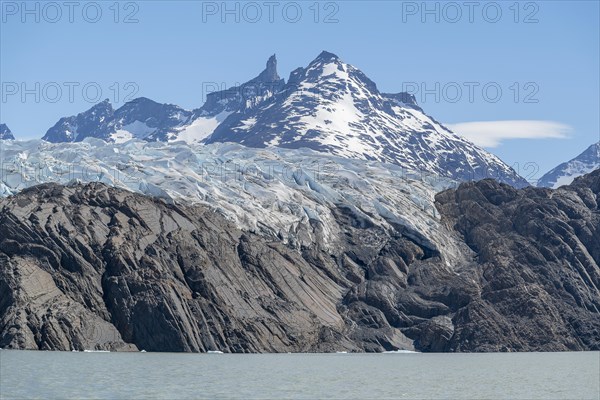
(5, 133)
(247, 95)
(333, 107)
(141, 118)
(220, 105)
(566, 172)
(145, 119)
(329, 106)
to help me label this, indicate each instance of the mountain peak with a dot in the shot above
(104, 106)
(94, 122)
(143, 101)
(244, 96)
(5, 133)
(566, 172)
(327, 56)
(270, 73)
(329, 71)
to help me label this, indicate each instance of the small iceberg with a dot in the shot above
(214, 352)
(400, 352)
(96, 351)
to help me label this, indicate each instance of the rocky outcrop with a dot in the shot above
(167, 278)
(538, 256)
(89, 266)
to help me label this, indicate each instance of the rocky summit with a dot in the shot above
(88, 266)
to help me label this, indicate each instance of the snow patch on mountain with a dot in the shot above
(136, 129)
(200, 128)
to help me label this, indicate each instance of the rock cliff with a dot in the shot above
(96, 267)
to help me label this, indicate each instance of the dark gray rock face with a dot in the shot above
(166, 278)
(97, 267)
(5, 133)
(538, 258)
(96, 122)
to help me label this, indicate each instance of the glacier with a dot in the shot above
(275, 192)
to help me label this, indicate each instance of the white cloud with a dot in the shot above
(492, 133)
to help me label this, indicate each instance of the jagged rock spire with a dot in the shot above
(270, 73)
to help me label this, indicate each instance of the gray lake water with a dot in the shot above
(60, 375)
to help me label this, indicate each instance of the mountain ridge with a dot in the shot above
(328, 106)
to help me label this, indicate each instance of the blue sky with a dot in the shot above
(542, 56)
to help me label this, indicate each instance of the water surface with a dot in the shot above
(54, 375)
